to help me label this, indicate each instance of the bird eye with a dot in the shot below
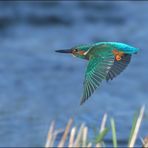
(75, 50)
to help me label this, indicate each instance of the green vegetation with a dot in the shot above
(74, 137)
(114, 137)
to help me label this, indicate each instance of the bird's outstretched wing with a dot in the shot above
(118, 66)
(97, 69)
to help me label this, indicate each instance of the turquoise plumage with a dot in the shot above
(106, 61)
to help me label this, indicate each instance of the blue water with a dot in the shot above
(38, 85)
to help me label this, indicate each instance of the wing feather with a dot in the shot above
(118, 67)
(97, 70)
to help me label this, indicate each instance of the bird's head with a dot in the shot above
(78, 51)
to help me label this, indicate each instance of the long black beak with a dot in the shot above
(64, 51)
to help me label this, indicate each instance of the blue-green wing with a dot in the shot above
(97, 70)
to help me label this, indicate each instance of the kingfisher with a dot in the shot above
(106, 61)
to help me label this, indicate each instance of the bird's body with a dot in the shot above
(106, 61)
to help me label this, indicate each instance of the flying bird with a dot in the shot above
(106, 61)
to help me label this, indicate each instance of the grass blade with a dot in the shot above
(99, 138)
(137, 126)
(77, 142)
(133, 127)
(61, 144)
(72, 136)
(113, 133)
(103, 122)
(84, 140)
(50, 135)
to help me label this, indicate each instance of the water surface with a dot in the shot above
(38, 85)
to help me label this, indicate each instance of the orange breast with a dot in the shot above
(81, 52)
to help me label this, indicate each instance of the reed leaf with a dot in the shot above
(100, 137)
(114, 138)
(137, 127)
(133, 127)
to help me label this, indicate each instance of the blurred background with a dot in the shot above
(38, 85)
